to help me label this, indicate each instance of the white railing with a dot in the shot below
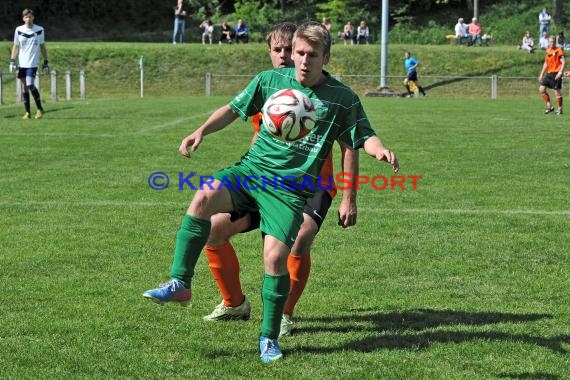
(491, 86)
(53, 85)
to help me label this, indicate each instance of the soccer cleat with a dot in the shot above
(226, 313)
(548, 110)
(269, 350)
(39, 114)
(26, 116)
(559, 111)
(286, 325)
(172, 291)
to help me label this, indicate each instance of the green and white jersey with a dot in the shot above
(339, 114)
(29, 41)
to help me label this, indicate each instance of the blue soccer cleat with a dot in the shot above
(172, 291)
(269, 349)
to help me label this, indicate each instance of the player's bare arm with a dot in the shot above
(15, 51)
(220, 119)
(563, 64)
(374, 147)
(347, 210)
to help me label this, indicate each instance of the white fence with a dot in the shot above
(490, 87)
(53, 85)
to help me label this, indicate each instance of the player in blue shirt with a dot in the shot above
(411, 65)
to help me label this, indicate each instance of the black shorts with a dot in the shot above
(27, 72)
(550, 81)
(413, 76)
(316, 207)
(255, 219)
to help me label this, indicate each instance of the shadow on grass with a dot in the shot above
(463, 78)
(528, 376)
(50, 111)
(404, 330)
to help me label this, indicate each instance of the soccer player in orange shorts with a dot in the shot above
(551, 76)
(220, 253)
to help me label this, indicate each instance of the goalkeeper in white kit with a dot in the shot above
(28, 42)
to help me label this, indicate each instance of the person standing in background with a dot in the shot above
(29, 40)
(179, 22)
(544, 20)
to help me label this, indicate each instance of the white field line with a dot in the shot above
(177, 121)
(142, 131)
(60, 134)
(471, 211)
(110, 203)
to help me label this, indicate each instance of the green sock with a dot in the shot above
(190, 239)
(274, 292)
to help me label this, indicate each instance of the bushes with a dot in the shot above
(433, 34)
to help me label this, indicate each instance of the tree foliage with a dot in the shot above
(151, 20)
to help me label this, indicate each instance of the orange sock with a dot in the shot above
(299, 268)
(546, 97)
(559, 102)
(224, 264)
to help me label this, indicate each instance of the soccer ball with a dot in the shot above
(288, 115)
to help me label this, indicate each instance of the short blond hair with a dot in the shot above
(314, 33)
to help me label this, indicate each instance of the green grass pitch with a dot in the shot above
(466, 277)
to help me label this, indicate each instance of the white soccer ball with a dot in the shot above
(288, 115)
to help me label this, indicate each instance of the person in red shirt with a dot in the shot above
(551, 76)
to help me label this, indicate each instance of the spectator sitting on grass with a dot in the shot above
(460, 31)
(474, 30)
(242, 32)
(527, 43)
(543, 41)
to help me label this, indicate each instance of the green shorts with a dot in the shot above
(281, 211)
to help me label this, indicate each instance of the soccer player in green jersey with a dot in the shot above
(340, 117)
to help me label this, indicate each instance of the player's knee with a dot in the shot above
(305, 238)
(219, 230)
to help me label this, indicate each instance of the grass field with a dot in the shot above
(466, 277)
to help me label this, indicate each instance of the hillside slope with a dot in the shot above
(113, 68)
